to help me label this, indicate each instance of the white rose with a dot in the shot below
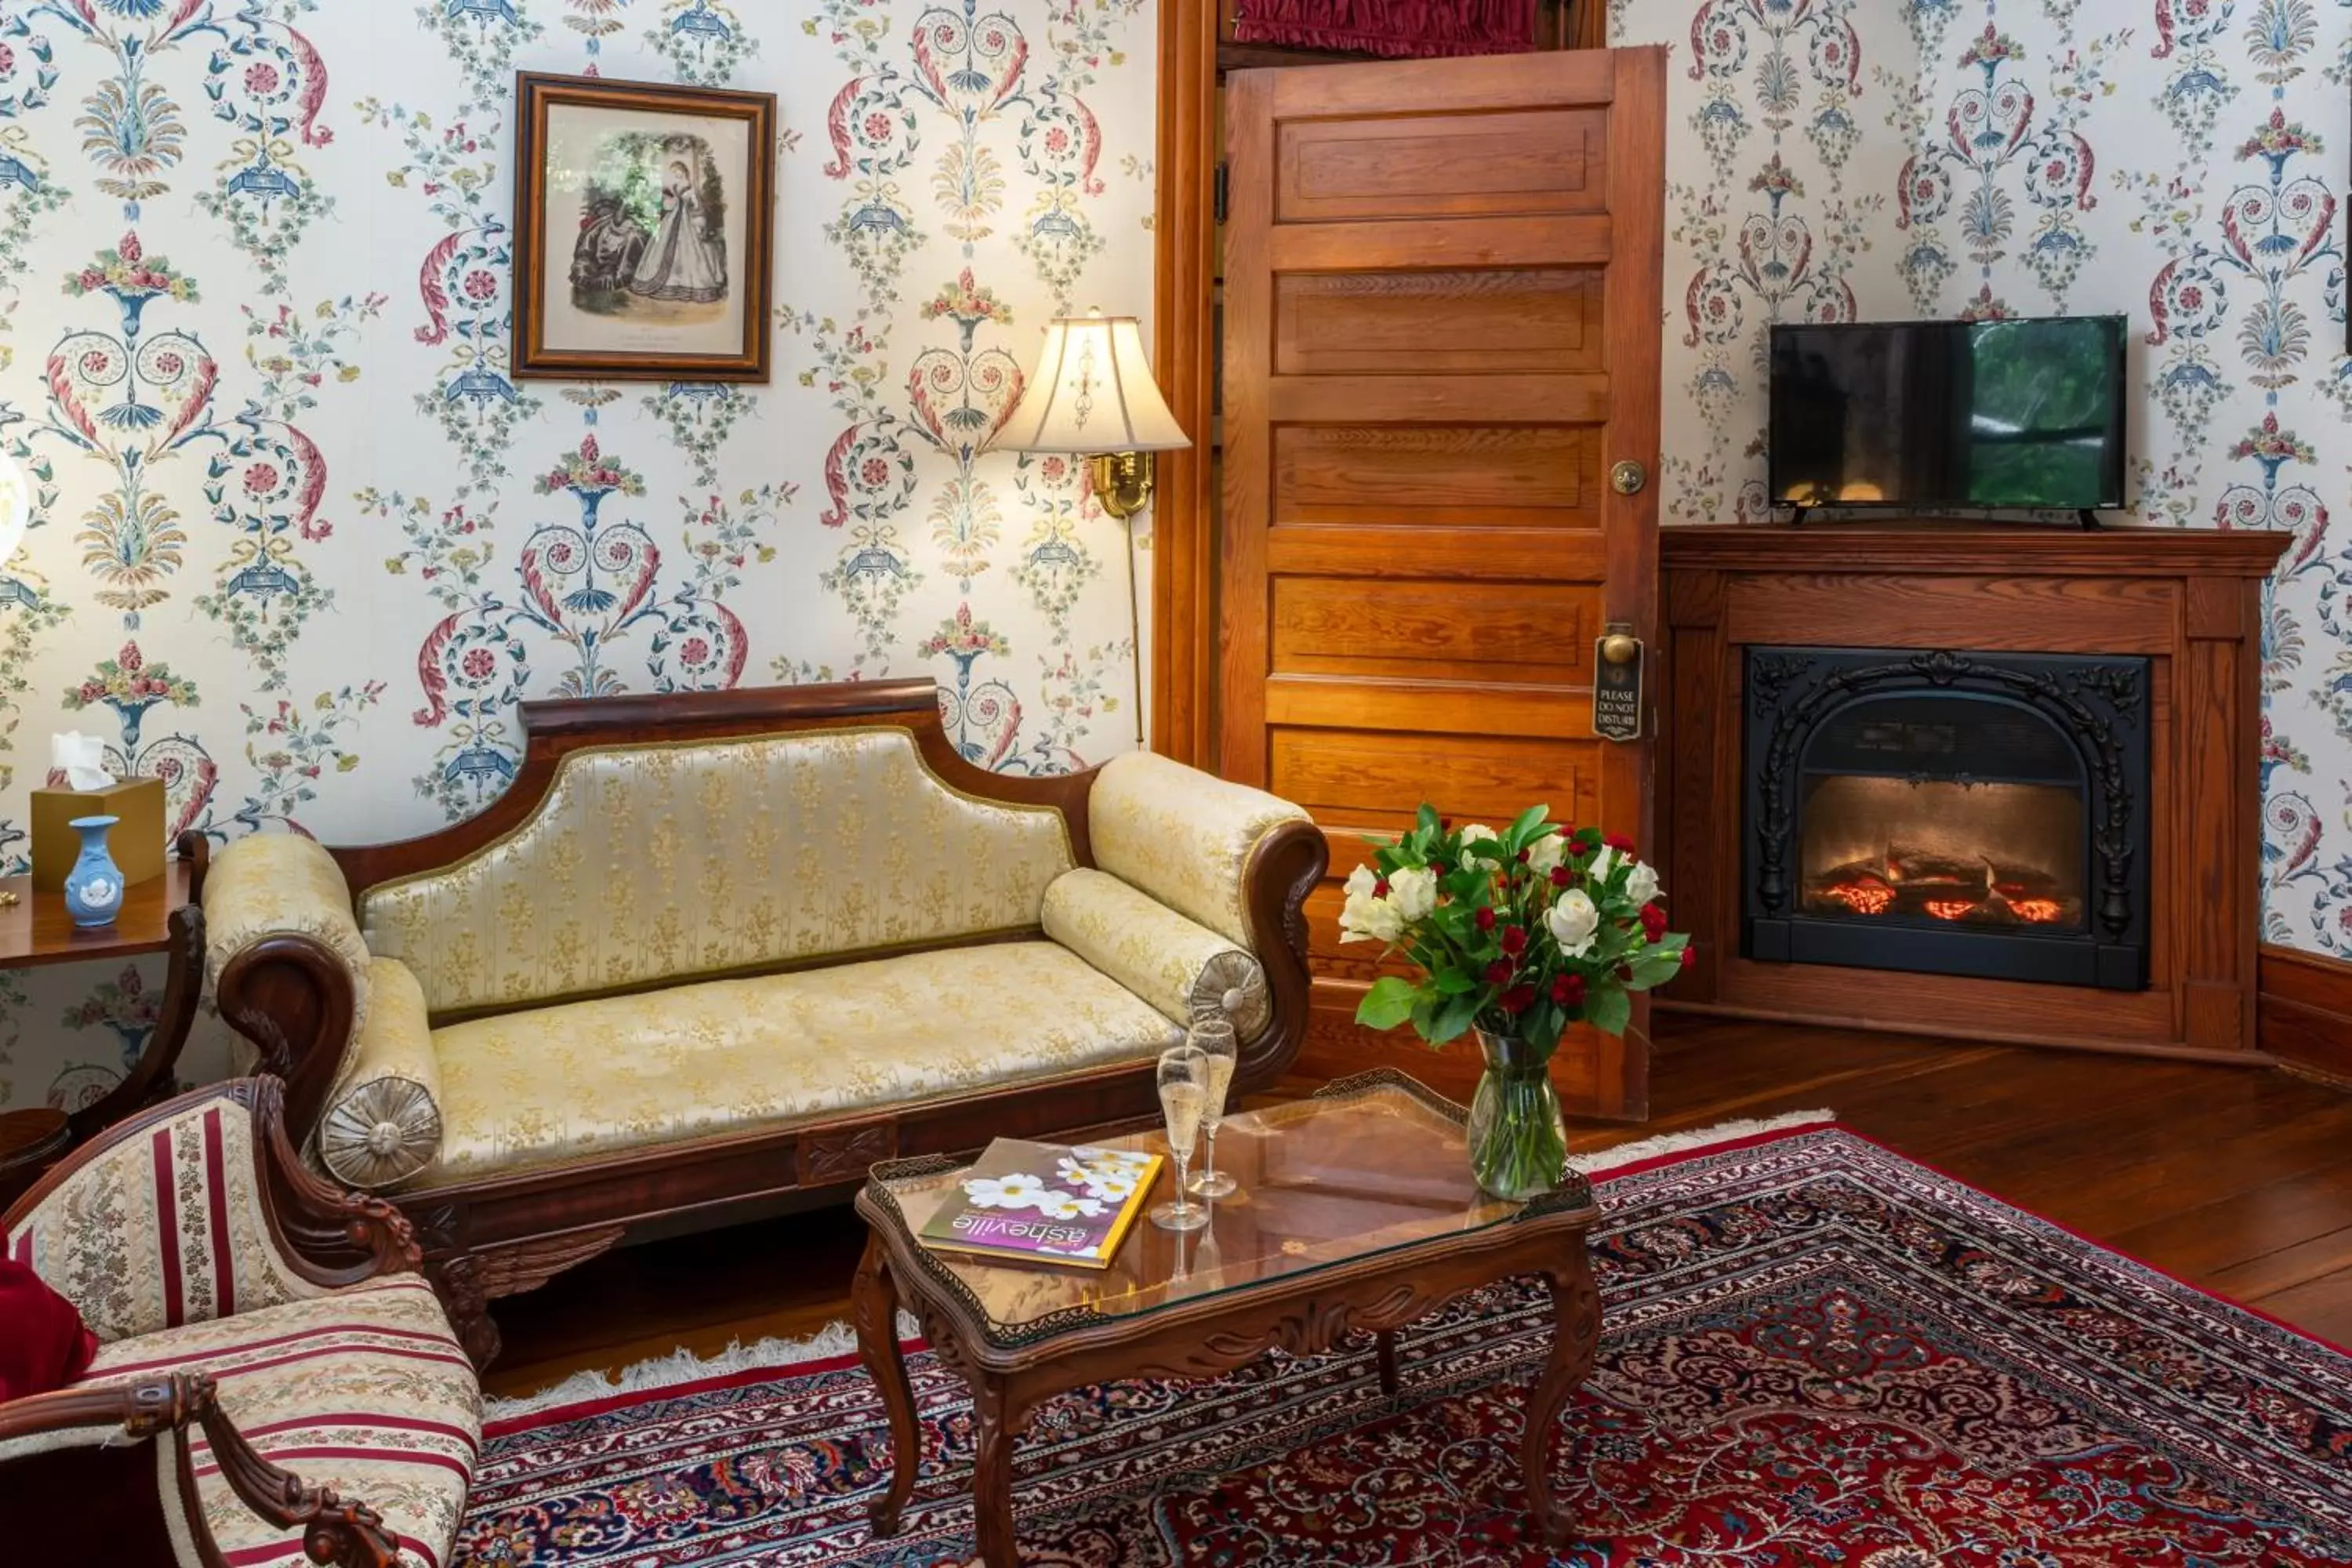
(1545, 854)
(1603, 862)
(1571, 921)
(1642, 883)
(1478, 833)
(1413, 891)
(1364, 917)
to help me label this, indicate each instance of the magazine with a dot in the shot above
(1045, 1202)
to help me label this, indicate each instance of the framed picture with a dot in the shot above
(644, 231)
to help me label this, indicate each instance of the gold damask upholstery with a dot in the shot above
(1181, 836)
(582, 1079)
(668, 862)
(1182, 968)
(281, 884)
(381, 1123)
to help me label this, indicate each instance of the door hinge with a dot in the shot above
(1219, 190)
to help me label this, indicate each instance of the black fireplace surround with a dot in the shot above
(1948, 812)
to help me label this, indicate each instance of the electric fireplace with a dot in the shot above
(1948, 812)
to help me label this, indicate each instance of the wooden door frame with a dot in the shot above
(1183, 622)
(1185, 342)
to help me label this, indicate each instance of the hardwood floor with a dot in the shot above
(2239, 1180)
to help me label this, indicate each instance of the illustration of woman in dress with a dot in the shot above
(686, 261)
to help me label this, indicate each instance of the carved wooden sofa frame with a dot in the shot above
(293, 999)
(92, 1489)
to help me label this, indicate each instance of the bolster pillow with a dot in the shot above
(1184, 969)
(381, 1124)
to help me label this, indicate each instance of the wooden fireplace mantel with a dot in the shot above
(2188, 600)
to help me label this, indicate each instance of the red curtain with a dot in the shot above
(1402, 29)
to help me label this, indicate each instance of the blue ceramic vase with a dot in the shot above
(94, 886)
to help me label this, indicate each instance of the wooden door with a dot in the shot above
(1443, 298)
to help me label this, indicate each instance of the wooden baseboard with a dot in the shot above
(2304, 1013)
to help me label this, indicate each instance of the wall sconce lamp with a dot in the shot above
(1093, 397)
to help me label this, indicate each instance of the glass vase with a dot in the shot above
(1518, 1143)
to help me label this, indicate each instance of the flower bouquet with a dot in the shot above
(1516, 935)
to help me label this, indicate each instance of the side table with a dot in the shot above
(160, 915)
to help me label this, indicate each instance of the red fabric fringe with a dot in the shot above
(1399, 29)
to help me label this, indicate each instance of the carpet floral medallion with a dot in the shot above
(1815, 1352)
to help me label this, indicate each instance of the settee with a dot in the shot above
(710, 948)
(274, 1379)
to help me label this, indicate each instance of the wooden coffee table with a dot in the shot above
(1356, 1211)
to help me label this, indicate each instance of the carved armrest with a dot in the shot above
(1234, 860)
(77, 1484)
(331, 1238)
(289, 968)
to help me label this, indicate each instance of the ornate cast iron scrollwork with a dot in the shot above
(2097, 704)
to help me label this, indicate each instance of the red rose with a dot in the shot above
(129, 249)
(1523, 857)
(1625, 974)
(1619, 842)
(128, 657)
(1498, 972)
(1381, 888)
(1653, 923)
(1485, 919)
(1689, 954)
(1561, 876)
(1438, 867)
(1517, 1000)
(1568, 990)
(1515, 939)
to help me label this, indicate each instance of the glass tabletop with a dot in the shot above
(1370, 1165)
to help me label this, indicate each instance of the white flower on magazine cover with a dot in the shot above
(1017, 1190)
(1106, 1174)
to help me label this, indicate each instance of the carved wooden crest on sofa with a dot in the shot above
(713, 947)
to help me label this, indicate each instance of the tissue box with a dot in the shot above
(136, 842)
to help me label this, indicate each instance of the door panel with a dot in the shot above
(1428, 165)
(1441, 305)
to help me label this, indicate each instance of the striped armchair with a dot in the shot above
(248, 1314)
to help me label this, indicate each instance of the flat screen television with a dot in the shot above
(1965, 415)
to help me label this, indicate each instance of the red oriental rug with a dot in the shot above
(1815, 1352)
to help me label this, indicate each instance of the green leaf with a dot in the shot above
(1656, 967)
(1426, 819)
(1388, 1004)
(1522, 831)
(1609, 1011)
(1453, 983)
(1454, 1019)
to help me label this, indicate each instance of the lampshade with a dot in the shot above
(16, 506)
(1093, 392)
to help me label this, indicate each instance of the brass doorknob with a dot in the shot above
(1628, 478)
(1619, 649)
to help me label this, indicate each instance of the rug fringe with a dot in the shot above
(682, 1366)
(1601, 1160)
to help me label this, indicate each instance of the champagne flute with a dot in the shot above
(1183, 1100)
(1214, 1038)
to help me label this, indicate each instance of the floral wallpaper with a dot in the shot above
(302, 543)
(2183, 162)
